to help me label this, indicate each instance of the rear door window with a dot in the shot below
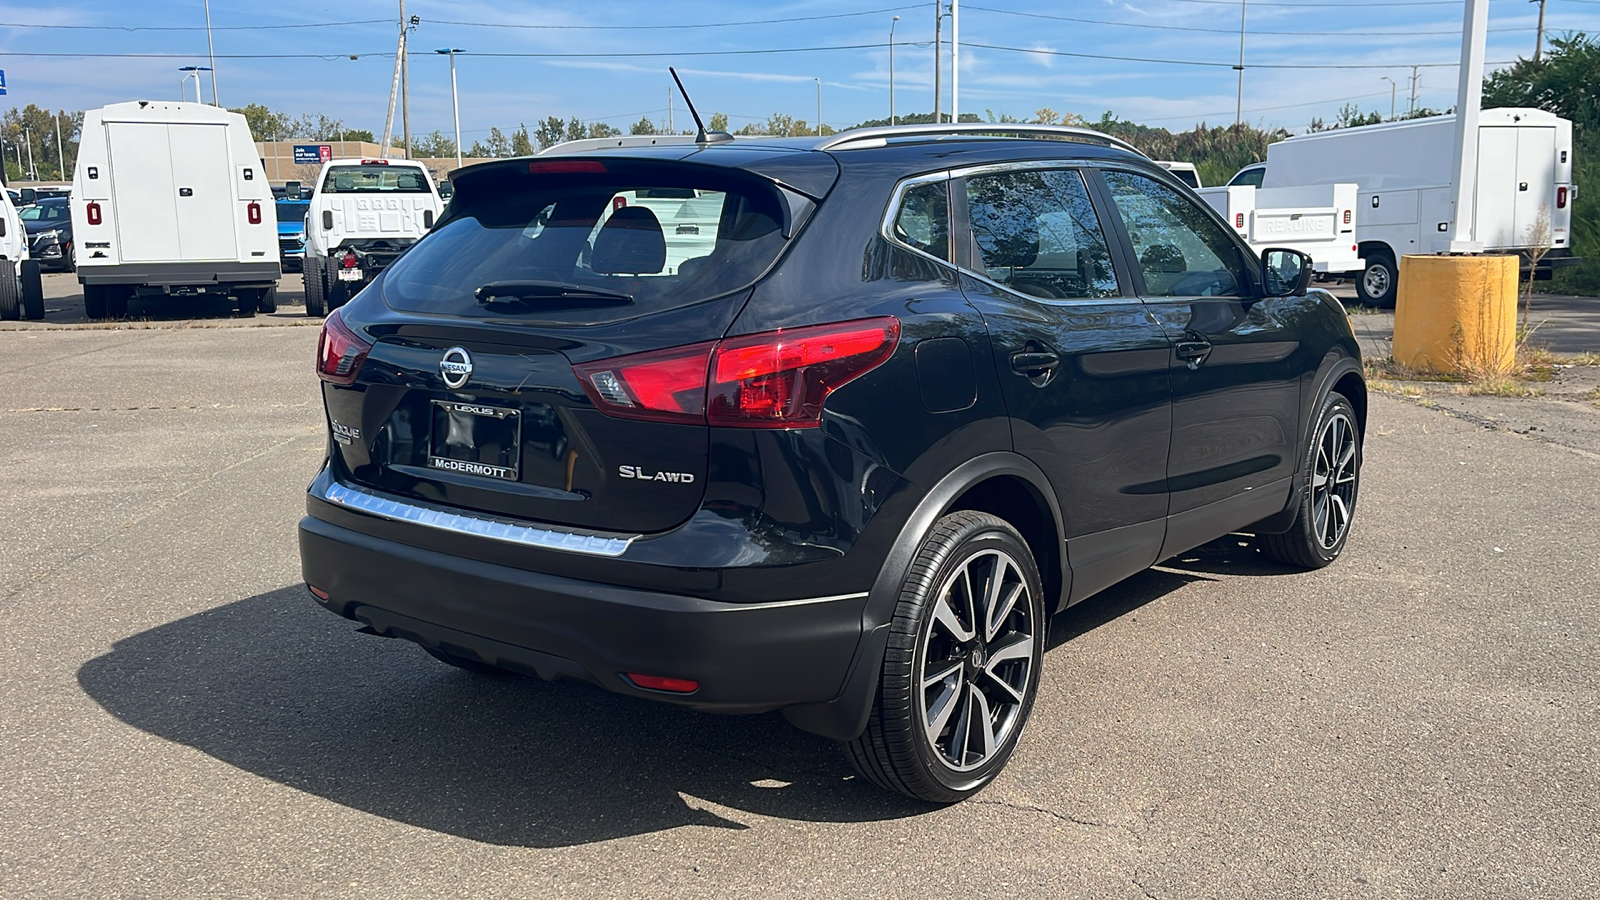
(660, 235)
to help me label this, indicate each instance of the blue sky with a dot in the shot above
(593, 81)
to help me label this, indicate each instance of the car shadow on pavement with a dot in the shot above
(1233, 554)
(1114, 602)
(275, 686)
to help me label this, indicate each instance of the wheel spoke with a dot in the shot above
(940, 710)
(952, 668)
(983, 721)
(1341, 516)
(945, 615)
(962, 736)
(1319, 517)
(1002, 610)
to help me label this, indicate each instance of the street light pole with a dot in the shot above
(1393, 85)
(455, 99)
(33, 173)
(1469, 96)
(938, 24)
(819, 104)
(955, 61)
(212, 50)
(1238, 110)
(891, 68)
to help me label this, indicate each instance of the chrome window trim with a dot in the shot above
(886, 226)
(488, 527)
(878, 136)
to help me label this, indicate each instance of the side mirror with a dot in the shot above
(327, 220)
(1285, 273)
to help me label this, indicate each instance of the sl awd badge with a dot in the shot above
(456, 367)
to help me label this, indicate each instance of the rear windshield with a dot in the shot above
(374, 180)
(666, 236)
(292, 210)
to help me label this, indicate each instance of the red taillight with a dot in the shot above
(317, 592)
(349, 261)
(775, 379)
(374, 162)
(1238, 220)
(1561, 198)
(619, 203)
(565, 166)
(253, 213)
(1347, 217)
(779, 379)
(659, 386)
(658, 683)
(92, 213)
(340, 352)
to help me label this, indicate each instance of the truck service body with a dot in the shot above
(1318, 220)
(1406, 187)
(171, 199)
(21, 290)
(364, 213)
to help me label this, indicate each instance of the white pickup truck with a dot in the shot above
(1318, 220)
(364, 213)
(21, 290)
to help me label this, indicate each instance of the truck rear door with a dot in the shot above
(142, 190)
(1536, 185)
(204, 179)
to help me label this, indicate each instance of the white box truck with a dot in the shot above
(364, 213)
(1406, 187)
(1319, 220)
(21, 288)
(170, 199)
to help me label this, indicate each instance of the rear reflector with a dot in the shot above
(1238, 220)
(319, 593)
(658, 683)
(253, 213)
(775, 379)
(565, 166)
(1561, 198)
(92, 213)
(340, 351)
(1347, 217)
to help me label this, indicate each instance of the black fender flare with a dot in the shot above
(845, 717)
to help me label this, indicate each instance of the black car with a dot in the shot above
(828, 426)
(49, 226)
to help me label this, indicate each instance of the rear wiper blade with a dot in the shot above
(524, 291)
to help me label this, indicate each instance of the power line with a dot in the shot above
(1223, 65)
(1231, 31)
(870, 12)
(193, 27)
(82, 55)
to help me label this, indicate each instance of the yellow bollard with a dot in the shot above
(1457, 314)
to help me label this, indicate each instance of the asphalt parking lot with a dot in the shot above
(180, 719)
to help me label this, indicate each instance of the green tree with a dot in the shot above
(719, 122)
(521, 144)
(643, 126)
(576, 130)
(266, 125)
(434, 145)
(601, 129)
(550, 132)
(35, 128)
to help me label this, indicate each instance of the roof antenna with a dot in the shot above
(702, 136)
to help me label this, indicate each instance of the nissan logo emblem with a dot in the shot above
(456, 367)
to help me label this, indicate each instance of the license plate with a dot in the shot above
(349, 274)
(473, 439)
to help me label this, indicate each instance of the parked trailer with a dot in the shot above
(170, 199)
(1318, 220)
(1406, 187)
(21, 288)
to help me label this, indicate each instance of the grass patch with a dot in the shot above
(1501, 386)
(1386, 369)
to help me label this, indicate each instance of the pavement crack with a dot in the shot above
(1065, 817)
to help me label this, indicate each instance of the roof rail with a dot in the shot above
(862, 138)
(589, 145)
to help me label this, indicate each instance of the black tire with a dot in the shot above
(248, 299)
(10, 292)
(311, 273)
(1377, 283)
(268, 301)
(94, 301)
(999, 662)
(69, 259)
(32, 290)
(470, 665)
(1329, 484)
(117, 297)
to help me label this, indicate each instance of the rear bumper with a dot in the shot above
(746, 657)
(242, 274)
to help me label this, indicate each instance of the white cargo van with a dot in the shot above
(1319, 220)
(364, 213)
(170, 199)
(21, 289)
(1406, 192)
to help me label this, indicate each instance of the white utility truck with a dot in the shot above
(364, 213)
(1183, 171)
(21, 288)
(1406, 187)
(1318, 220)
(170, 200)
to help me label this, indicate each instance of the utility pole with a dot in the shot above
(1469, 96)
(819, 105)
(212, 50)
(671, 129)
(33, 173)
(1238, 109)
(1538, 41)
(61, 155)
(405, 75)
(1413, 108)
(938, 50)
(455, 98)
(891, 68)
(394, 87)
(955, 61)
(1393, 86)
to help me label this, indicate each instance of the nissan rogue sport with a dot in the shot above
(831, 426)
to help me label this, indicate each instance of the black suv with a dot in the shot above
(828, 426)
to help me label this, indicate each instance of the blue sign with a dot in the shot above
(2, 82)
(312, 154)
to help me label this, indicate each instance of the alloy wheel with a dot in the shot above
(978, 654)
(1333, 480)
